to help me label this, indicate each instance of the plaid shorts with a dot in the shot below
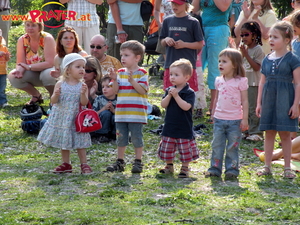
(187, 149)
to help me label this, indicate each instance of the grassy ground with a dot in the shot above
(30, 194)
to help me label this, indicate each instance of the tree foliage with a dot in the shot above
(282, 8)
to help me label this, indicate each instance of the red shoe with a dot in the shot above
(63, 168)
(86, 169)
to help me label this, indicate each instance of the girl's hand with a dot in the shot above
(257, 111)
(84, 88)
(55, 73)
(244, 125)
(112, 73)
(294, 112)
(243, 50)
(256, 12)
(170, 41)
(57, 91)
(246, 9)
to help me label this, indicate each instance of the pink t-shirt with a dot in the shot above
(229, 102)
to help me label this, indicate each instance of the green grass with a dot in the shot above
(30, 194)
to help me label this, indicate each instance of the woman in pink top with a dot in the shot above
(35, 59)
(230, 114)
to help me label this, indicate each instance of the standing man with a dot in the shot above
(124, 23)
(4, 25)
(87, 23)
(98, 48)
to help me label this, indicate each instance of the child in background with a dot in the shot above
(253, 56)
(230, 114)
(59, 131)
(200, 100)
(105, 106)
(182, 36)
(261, 12)
(4, 57)
(278, 96)
(296, 6)
(178, 128)
(131, 84)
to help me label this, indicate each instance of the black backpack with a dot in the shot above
(146, 10)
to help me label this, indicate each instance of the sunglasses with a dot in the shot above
(97, 47)
(90, 71)
(245, 34)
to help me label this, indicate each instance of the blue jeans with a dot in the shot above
(107, 119)
(227, 135)
(3, 98)
(136, 131)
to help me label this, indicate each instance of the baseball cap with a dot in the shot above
(179, 2)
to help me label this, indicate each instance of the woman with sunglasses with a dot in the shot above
(215, 15)
(92, 77)
(66, 42)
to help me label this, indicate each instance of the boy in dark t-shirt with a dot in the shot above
(182, 36)
(178, 129)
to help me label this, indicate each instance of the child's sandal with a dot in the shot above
(288, 173)
(168, 169)
(265, 171)
(184, 172)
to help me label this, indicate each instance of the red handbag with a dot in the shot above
(87, 120)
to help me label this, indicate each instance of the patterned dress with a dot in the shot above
(59, 131)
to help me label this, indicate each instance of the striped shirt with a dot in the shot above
(131, 106)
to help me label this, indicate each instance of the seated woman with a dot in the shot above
(278, 153)
(66, 42)
(92, 77)
(35, 59)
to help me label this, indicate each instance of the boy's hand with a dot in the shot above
(174, 92)
(170, 41)
(83, 88)
(130, 79)
(179, 44)
(112, 73)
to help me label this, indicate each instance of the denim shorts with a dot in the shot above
(136, 131)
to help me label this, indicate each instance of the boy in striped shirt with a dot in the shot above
(131, 84)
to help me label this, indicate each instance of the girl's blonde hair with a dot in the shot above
(267, 5)
(236, 59)
(94, 64)
(286, 30)
(295, 18)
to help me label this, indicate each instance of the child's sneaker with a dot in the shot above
(118, 166)
(86, 169)
(63, 168)
(137, 166)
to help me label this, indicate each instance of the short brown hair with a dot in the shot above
(136, 47)
(184, 65)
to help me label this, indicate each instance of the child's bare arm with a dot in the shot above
(136, 85)
(245, 105)
(165, 101)
(259, 95)
(191, 45)
(56, 93)
(84, 98)
(294, 111)
(181, 103)
(113, 76)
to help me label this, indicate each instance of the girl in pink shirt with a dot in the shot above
(230, 114)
